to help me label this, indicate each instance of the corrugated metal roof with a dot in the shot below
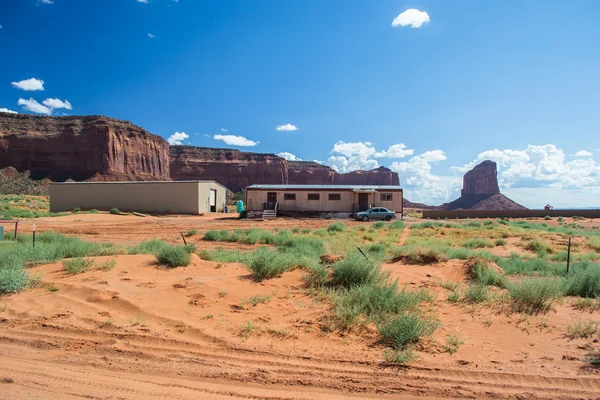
(326, 187)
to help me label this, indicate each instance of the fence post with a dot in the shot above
(33, 236)
(569, 255)
(183, 237)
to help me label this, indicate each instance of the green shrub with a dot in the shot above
(420, 255)
(528, 266)
(295, 230)
(107, 265)
(482, 273)
(115, 211)
(316, 276)
(583, 280)
(454, 297)
(191, 233)
(500, 242)
(397, 225)
(12, 280)
(356, 270)
(582, 330)
(378, 225)
(594, 243)
(536, 295)
(376, 249)
(76, 209)
(403, 357)
(427, 224)
(336, 227)
(476, 243)
(265, 264)
(306, 230)
(153, 246)
(77, 265)
(173, 256)
(406, 329)
(476, 293)
(93, 211)
(547, 218)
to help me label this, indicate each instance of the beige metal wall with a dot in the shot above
(160, 197)
(204, 196)
(256, 198)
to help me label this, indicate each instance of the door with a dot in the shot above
(212, 200)
(363, 201)
(271, 200)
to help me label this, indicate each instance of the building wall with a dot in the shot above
(158, 197)
(348, 200)
(204, 196)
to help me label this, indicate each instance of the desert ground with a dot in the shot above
(131, 328)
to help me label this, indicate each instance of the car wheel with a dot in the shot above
(388, 218)
(365, 218)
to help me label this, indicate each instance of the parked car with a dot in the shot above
(375, 213)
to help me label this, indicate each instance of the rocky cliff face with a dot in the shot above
(308, 173)
(481, 180)
(232, 168)
(377, 176)
(81, 148)
(481, 192)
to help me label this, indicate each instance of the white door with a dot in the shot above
(213, 198)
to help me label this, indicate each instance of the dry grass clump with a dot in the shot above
(485, 272)
(420, 256)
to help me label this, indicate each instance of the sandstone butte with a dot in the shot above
(81, 148)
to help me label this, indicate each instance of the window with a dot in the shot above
(335, 196)
(313, 196)
(386, 197)
(289, 196)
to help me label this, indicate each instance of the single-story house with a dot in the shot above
(321, 200)
(174, 197)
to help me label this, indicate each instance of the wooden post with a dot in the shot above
(183, 237)
(16, 229)
(33, 235)
(569, 255)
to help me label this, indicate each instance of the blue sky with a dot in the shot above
(516, 82)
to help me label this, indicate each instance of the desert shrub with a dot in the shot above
(76, 209)
(406, 329)
(453, 343)
(560, 219)
(12, 280)
(582, 329)
(420, 255)
(403, 357)
(476, 243)
(153, 246)
(476, 293)
(265, 263)
(453, 297)
(115, 211)
(547, 218)
(191, 232)
(295, 230)
(536, 295)
(356, 270)
(500, 242)
(107, 265)
(306, 230)
(539, 246)
(336, 227)
(529, 266)
(594, 243)
(173, 256)
(378, 225)
(482, 273)
(376, 302)
(397, 225)
(376, 249)
(77, 265)
(316, 276)
(427, 224)
(93, 211)
(583, 280)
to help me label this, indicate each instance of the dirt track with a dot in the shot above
(141, 332)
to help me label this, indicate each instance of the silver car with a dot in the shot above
(375, 213)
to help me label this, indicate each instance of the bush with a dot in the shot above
(547, 218)
(77, 265)
(378, 225)
(583, 280)
(406, 329)
(482, 273)
(476, 293)
(115, 211)
(191, 233)
(427, 224)
(76, 209)
(93, 211)
(539, 246)
(356, 270)
(594, 243)
(420, 256)
(336, 227)
(500, 242)
(316, 276)
(266, 264)
(216, 236)
(12, 280)
(174, 256)
(534, 296)
(153, 246)
(397, 225)
(403, 357)
(515, 265)
(477, 243)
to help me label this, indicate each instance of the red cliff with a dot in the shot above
(481, 180)
(80, 148)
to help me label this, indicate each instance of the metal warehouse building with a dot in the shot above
(332, 200)
(176, 197)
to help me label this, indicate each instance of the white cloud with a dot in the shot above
(151, 36)
(224, 130)
(348, 164)
(177, 138)
(33, 106)
(56, 103)
(0, 26)
(6, 110)
(583, 153)
(30, 84)
(289, 156)
(46, 1)
(207, 135)
(362, 149)
(411, 17)
(234, 140)
(395, 151)
(286, 127)
(143, 1)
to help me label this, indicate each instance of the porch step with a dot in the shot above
(269, 214)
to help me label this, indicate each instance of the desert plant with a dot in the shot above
(406, 329)
(12, 280)
(115, 211)
(336, 227)
(476, 243)
(173, 256)
(453, 343)
(356, 270)
(76, 210)
(420, 255)
(476, 293)
(246, 330)
(397, 225)
(107, 265)
(265, 264)
(583, 280)
(77, 265)
(403, 357)
(153, 246)
(93, 211)
(500, 242)
(378, 225)
(191, 233)
(481, 272)
(536, 295)
(316, 275)
(582, 329)
(453, 297)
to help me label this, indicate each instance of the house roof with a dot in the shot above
(326, 187)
